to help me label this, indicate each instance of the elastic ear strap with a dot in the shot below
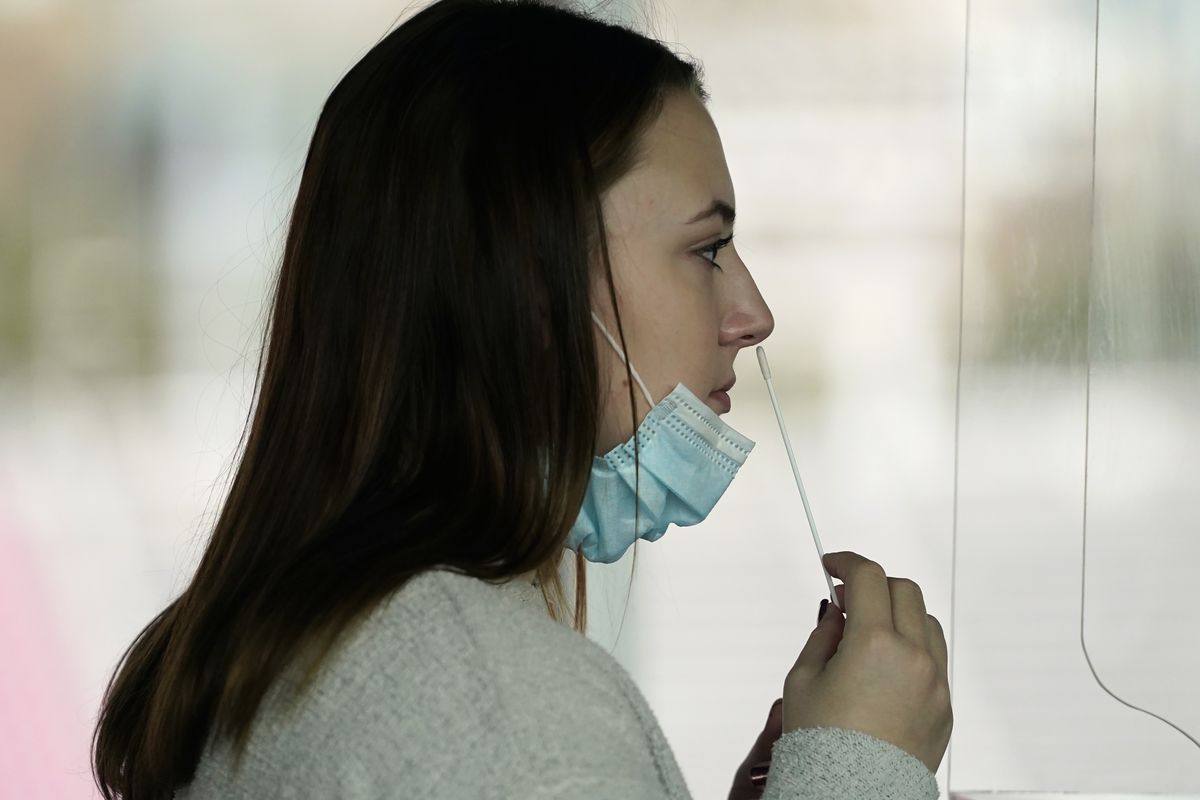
(636, 377)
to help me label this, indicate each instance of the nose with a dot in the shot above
(749, 322)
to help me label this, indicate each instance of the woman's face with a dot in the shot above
(685, 320)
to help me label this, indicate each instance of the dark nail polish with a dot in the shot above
(824, 607)
(758, 773)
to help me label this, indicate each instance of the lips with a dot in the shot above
(721, 396)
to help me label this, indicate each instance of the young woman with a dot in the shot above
(510, 251)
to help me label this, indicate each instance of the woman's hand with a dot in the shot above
(880, 670)
(744, 787)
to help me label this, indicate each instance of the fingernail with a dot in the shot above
(821, 613)
(758, 773)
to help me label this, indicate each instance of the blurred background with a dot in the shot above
(979, 233)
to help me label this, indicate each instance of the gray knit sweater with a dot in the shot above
(457, 688)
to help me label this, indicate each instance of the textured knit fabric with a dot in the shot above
(457, 688)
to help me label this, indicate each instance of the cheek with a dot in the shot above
(615, 424)
(681, 324)
(684, 290)
(670, 322)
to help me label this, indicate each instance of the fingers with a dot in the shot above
(937, 643)
(869, 597)
(774, 727)
(868, 601)
(908, 611)
(821, 646)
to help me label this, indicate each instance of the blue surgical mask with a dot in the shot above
(689, 456)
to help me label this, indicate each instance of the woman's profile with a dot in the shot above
(503, 332)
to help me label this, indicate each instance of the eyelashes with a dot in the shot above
(714, 248)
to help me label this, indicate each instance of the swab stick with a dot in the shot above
(812, 526)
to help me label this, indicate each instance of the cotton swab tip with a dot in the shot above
(762, 362)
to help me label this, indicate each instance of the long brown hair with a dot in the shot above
(430, 396)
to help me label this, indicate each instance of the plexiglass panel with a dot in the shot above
(1142, 615)
(1057, 291)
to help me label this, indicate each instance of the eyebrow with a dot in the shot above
(725, 210)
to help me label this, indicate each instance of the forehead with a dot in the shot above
(683, 169)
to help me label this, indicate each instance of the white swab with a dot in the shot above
(812, 526)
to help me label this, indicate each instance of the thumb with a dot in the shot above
(765, 742)
(823, 642)
(773, 728)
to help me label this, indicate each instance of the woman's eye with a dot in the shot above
(714, 248)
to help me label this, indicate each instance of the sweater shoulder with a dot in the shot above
(451, 686)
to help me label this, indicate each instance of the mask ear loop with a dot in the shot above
(620, 355)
